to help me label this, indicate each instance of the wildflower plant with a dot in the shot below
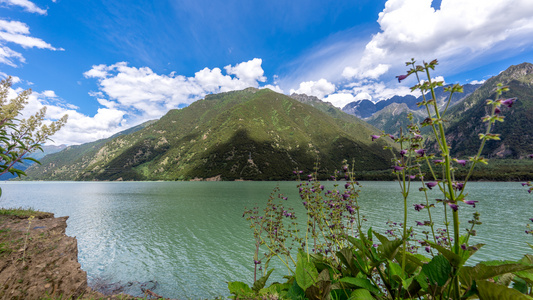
(20, 137)
(332, 256)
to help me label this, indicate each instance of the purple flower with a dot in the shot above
(455, 207)
(418, 137)
(403, 152)
(374, 137)
(402, 77)
(398, 168)
(438, 161)
(257, 262)
(392, 137)
(431, 185)
(531, 219)
(321, 187)
(421, 152)
(418, 223)
(345, 196)
(428, 249)
(508, 102)
(530, 156)
(461, 162)
(345, 168)
(463, 246)
(470, 202)
(412, 177)
(497, 111)
(459, 185)
(300, 172)
(419, 207)
(284, 198)
(294, 172)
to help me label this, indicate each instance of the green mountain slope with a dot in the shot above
(250, 134)
(517, 130)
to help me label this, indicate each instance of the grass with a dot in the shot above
(21, 212)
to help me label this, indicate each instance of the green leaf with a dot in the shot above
(260, 283)
(295, 292)
(362, 283)
(6, 158)
(345, 255)
(361, 294)
(491, 291)
(421, 278)
(438, 270)
(32, 159)
(487, 270)
(306, 273)
(414, 261)
(388, 249)
(239, 288)
(454, 259)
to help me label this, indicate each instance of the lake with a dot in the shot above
(191, 239)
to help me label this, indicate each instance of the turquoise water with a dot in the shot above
(191, 239)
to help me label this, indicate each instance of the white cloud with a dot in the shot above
(340, 100)
(319, 88)
(249, 72)
(459, 31)
(477, 81)
(26, 4)
(372, 73)
(274, 88)
(18, 33)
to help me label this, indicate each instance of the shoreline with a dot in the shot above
(38, 260)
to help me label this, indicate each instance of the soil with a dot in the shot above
(37, 260)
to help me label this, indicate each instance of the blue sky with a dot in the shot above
(113, 64)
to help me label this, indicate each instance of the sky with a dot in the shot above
(111, 65)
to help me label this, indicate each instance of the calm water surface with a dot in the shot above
(191, 238)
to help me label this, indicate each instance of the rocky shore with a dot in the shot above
(38, 260)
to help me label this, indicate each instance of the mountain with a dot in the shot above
(25, 164)
(250, 134)
(516, 131)
(367, 108)
(393, 117)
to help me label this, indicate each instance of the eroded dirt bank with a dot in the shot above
(37, 260)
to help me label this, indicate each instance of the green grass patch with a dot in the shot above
(20, 212)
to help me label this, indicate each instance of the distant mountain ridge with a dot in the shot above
(366, 108)
(516, 131)
(250, 134)
(47, 149)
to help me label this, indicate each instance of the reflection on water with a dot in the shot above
(191, 239)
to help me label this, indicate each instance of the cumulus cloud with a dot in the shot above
(26, 4)
(319, 88)
(80, 128)
(145, 95)
(249, 72)
(460, 30)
